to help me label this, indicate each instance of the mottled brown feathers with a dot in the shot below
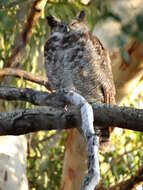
(75, 59)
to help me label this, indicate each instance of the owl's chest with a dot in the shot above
(71, 65)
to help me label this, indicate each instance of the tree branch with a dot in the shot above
(116, 116)
(104, 115)
(128, 184)
(32, 120)
(33, 96)
(26, 34)
(25, 75)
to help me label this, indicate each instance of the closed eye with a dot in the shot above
(73, 23)
(62, 25)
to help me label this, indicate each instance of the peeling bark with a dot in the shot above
(128, 75)
(92, 140)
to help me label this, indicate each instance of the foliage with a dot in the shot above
(45, 160)
(46, 156)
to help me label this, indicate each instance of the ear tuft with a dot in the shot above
(81, 16)
(52, 22)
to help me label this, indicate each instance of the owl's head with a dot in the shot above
(78, 25)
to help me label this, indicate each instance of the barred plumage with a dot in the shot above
(75, 59)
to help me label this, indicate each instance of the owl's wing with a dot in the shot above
(107, 89)
(107, 83)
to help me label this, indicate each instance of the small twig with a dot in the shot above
(47, 138)
(116, 161)
(26, 76)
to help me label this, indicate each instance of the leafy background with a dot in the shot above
(46, 153)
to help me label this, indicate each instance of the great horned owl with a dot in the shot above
(76, 60)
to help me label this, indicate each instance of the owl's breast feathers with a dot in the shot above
(105, 72)
(75, 59)
(81, 61)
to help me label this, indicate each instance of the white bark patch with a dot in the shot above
(93, 177)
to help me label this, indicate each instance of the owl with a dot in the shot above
(76, 60)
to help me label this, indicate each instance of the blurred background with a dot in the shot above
(119, 26)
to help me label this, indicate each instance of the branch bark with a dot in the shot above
(25, 75)
(32, 120)
(33, 96)
(104, 115)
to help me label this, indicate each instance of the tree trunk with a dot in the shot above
(12, 163)
(75, 162)
(13, 152)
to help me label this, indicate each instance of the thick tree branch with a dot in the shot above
(25, 75)
(32, 120)
(104, 115)
(33, 96)
(115, 116)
